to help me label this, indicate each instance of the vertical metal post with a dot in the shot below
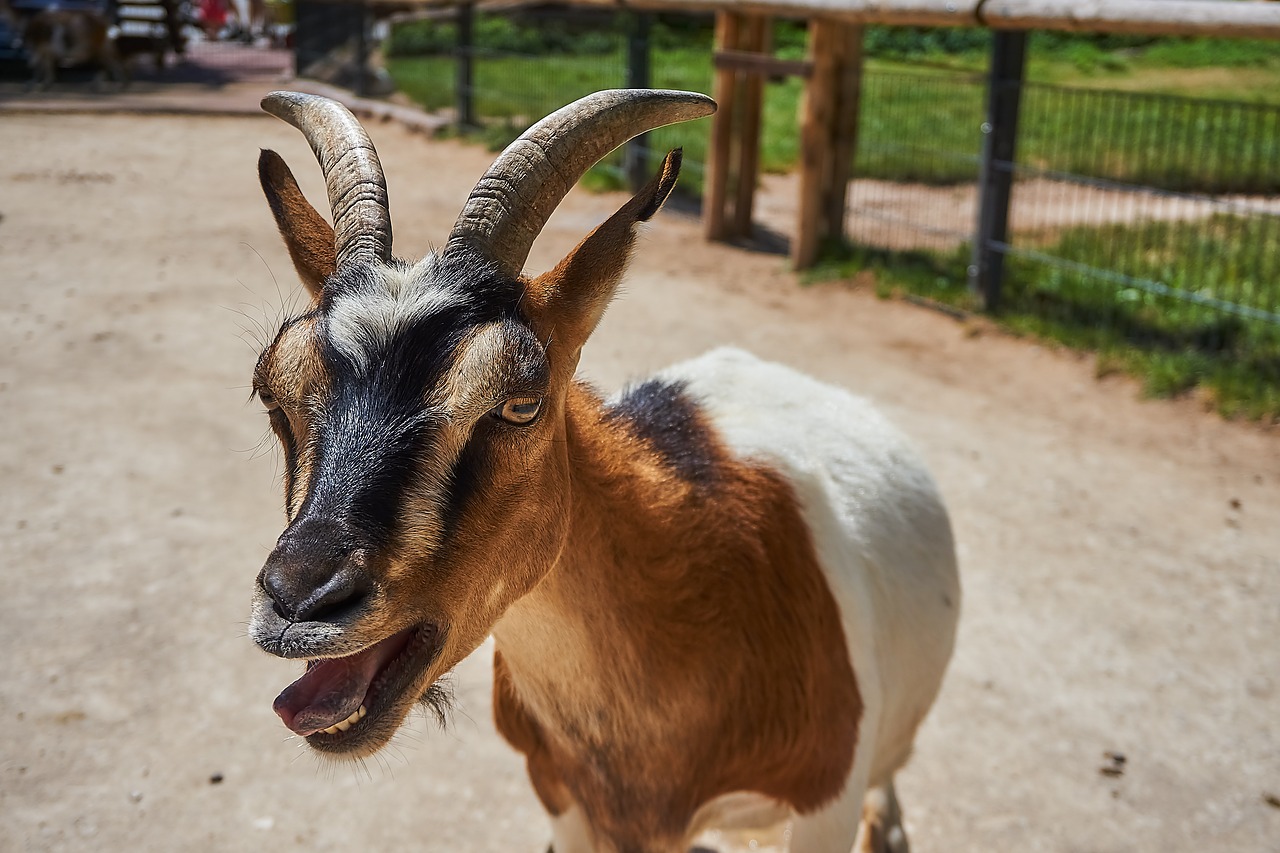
(362, 49)
(635, 156)
(464, 90)
(995, 178)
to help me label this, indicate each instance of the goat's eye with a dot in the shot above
(519, 411)
(268, 399)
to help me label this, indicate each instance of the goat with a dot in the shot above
(54, 37)
(729, 590)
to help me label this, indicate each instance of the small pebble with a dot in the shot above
(1115, 763)
(215, 779)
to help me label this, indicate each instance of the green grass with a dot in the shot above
(918, 123)
(1171, 344)
(513, 91)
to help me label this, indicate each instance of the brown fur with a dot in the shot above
(715, 660)
(307, 236)
(523, 732)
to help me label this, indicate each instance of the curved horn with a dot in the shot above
(352, 173)
(515, 198)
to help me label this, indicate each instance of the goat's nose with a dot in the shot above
(303, 592)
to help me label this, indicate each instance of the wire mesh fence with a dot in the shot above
(501, 70)
(1145, 227)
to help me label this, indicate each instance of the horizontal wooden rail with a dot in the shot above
(905, 13)
(1237, 19)
(758, 63)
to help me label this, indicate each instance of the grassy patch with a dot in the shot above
(512, 91)
(1173, 345)
(919, 117)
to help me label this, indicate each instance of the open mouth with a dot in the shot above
(338, 699)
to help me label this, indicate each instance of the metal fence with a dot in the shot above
(1144, 227)
(501, 70)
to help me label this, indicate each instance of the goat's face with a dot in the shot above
(422, 428)
(421, 409)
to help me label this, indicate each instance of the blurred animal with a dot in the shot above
(54, 37)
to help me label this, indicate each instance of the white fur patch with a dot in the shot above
(364, 321)
(879, 529)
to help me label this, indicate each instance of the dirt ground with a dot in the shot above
(1121, 557)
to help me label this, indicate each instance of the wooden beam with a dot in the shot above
(818, 115)
(755, 63)
(758, 37)
(844, 141)
(716, 186)
(1239, 19)
(906, 13)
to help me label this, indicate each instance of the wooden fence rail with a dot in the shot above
(1257, 19)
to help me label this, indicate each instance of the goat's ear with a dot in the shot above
(308, 237)
(565, 303)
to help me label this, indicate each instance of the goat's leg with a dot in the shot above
(834, 827)
(114, 66)
(882, 830)
(570, 832)
(36, 63)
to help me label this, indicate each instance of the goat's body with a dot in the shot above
(879, 526)
(726, 595)
(882, 556)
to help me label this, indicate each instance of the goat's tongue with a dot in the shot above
(332, 690)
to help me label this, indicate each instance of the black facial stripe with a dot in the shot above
(280, 426)
(665, 416)
(374, 429)
(469, 472)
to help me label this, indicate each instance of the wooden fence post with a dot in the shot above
(743, 45)
(995, 177)
(716, 185)
(757, 38)
(827, 136)
(844, 144)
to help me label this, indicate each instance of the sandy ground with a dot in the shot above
(1121, 557)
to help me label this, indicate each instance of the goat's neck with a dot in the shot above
(616, 604)
(685, 584)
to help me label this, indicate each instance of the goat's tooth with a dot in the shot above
(332, 730)
(353, 719)
(361, 712)
(342, 726)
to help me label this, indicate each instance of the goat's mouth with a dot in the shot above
(346, 703)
